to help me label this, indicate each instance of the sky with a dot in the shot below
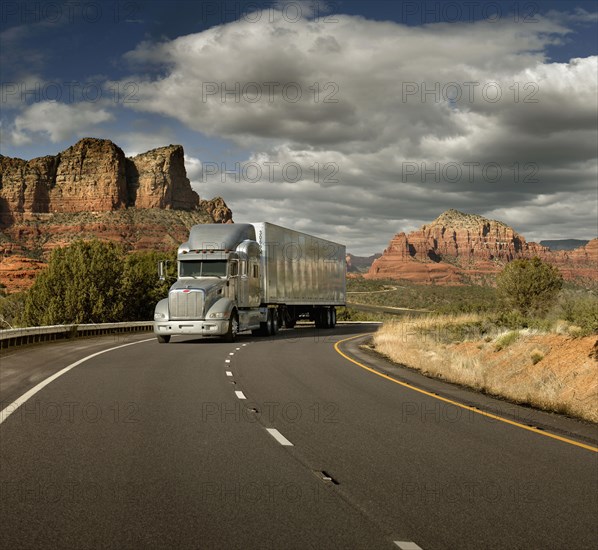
(350, 120)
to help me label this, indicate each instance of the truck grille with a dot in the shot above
(185, 304)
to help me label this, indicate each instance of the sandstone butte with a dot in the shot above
(91, 190)
(458, 248)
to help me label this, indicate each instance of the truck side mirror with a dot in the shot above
(162, 266)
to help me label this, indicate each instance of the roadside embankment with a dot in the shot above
(552, 371)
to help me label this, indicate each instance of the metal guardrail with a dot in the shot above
(30, 335)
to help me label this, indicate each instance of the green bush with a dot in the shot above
(95, 282)
(528, 287)
(80, 285)
(140, 288)
(580, 310)
(12, 308)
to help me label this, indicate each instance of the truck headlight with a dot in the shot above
(218, 315)
(158, 316)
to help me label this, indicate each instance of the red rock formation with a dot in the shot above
(90, 176)
(457, 248)
(94, 176)
(18, 272)
(581, 262)
(218, 210)
(91, 190)
(158, 179)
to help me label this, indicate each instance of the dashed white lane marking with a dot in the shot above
(229, 373)
(237, 349)
(232, 353)
(227, 360)
(279, 437)
(7, 411)
(244, 344)
(240, 395)
(407, 545)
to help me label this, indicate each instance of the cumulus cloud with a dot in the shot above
(380, 125)
(194, 167)
(57, 121)
(364, 128)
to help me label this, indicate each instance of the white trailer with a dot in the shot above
(254, 276)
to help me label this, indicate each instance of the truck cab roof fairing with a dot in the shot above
(220, 236)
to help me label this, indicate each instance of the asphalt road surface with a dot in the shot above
(276, 443)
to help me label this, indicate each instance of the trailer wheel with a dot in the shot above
(163, 339)
(274, 326)
(333, 317)
(320, 317)
(328, 317)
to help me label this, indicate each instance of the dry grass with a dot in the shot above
(550, 371)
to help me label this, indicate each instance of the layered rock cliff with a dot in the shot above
(94, 176)
(457, 248)
(92, 190)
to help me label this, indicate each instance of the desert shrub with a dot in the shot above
(506, 340)
(436, 298)
(12, 307)
(536, 356)
(581, 311)
(528, 287)
(351, 314)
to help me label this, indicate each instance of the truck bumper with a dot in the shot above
(214, 327)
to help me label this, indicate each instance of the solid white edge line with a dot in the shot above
(7, 411)
(240, 394)
(229, 373)
(279, 437)
(407, 545)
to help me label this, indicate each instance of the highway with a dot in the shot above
(277, 443)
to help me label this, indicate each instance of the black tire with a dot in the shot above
(319, 317)
(333, 317)
(266, 327)
(233, 328)
(274, 325)
(163, 339)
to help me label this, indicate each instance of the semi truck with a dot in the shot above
(250, 276)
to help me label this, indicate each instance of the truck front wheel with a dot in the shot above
(163, 339)
(233, 328)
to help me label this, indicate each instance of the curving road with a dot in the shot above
(277, 443)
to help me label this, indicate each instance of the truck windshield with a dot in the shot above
(202, 268)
